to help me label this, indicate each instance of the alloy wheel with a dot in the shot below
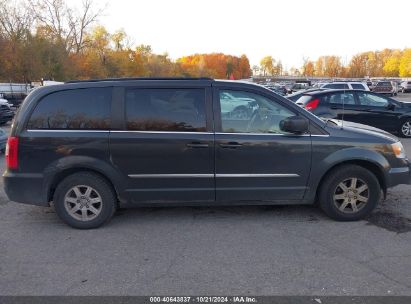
(351, 195)
(406, 129)
(83, 203)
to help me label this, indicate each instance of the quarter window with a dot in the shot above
(176, 110)
(244, 112)
(87, 109)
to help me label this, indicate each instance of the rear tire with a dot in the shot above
(349, 193)
(85, 200)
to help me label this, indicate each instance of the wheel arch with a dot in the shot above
(56, 173)
(366, 164)
(371, 160)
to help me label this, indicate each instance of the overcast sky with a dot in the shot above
(288, 29)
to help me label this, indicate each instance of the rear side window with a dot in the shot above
(384, 84)
(340, 98)
(337, 86)
(357, 86)
(174, 110)
(80, 109)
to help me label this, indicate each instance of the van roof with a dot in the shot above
(139, 78)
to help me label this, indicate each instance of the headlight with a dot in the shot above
(398, 150)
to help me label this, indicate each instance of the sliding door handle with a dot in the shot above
(197, 145)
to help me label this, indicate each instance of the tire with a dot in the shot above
(339, 205)
(74, 194)
(405, 128)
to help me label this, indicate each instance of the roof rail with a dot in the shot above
(141, 78)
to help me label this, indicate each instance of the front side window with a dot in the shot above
(80, 109)
(245, 112)
(174, 110)
(341, 98)
(367, 99)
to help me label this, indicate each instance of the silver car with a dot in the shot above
(405, 86)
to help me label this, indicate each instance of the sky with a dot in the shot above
(288, 30)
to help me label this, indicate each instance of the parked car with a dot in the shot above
(295, 96)
(384, 87)
(346, 85)
(405, 86)
(367, 108)
(296, 87)
(3, 140)
(236, 104)
(6, 114)
(277, 89)
(90, 147)
(4, 101)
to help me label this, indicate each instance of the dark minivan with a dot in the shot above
(92, 147)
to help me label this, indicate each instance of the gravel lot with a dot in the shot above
(287, 250)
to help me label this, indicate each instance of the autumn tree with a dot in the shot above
(392, 64)
(308, 68)
(405, 64)
(267, 65)
(358, 65)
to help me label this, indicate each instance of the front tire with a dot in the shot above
(84, 200)
(349, 193)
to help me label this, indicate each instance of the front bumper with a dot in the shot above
(399, 176)
(25, 188)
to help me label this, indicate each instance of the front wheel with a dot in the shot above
(349, 193)
(84, 200)
(405, 129)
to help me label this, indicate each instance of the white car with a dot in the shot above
(4, 101)
(345, 85)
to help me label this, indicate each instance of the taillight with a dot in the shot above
(313, 104)
(12, 160)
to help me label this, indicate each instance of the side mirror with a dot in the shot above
(391, 106)
(294, 124)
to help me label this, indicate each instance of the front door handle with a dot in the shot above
(197, 145)
(231, 145)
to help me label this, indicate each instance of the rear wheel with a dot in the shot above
(84, 200)
(349, 193)
(405, 129)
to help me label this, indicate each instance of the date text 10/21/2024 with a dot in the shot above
(238, 299)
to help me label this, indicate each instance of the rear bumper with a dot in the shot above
(399, 176)
(25, 188)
